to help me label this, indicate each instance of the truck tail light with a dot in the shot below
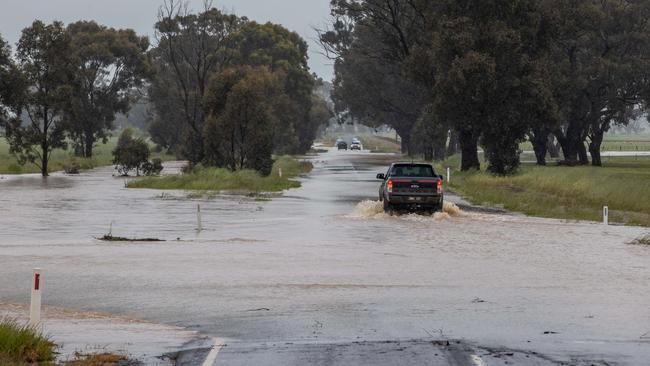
(389, 186)
(439, 186)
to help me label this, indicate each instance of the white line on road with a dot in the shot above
(212, 356)
(477, 360)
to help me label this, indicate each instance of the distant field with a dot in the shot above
(615, 143)
(101, 157)
(565, 192)
(380, 144)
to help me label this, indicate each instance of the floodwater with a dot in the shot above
(323, 264)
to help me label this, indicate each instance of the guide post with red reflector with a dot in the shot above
(35, 306)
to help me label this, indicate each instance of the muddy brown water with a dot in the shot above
(324, 264)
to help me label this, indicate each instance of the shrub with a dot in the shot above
(153, 167)
(130, 154)
(72, 166)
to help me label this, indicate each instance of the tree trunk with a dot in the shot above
(88, 144)
(570, 143)
(594, 148)
(582, 153)
(406, 144)
(428, 153)
(439, 152)
(469, 151)
(552, 147)
(539, 139)
(453, 143)
(45, 146)
(45, 159)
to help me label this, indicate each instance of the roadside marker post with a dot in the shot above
(280, 172)
(35, 305)
(199, 224)
(606, 215)
(448, 174)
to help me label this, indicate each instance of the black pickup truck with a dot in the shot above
(413, 187)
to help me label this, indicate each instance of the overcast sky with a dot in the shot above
(297, 15)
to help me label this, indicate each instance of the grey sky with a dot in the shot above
(297, 15)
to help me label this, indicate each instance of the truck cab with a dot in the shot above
(412, 187)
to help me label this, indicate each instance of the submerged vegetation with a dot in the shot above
(219, 179)
(109, 237)
(643, 240)
(567, 193)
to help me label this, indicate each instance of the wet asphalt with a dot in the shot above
(321, 276)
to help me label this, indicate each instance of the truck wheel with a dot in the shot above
(388, 208)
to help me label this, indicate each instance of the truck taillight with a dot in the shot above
(439, 185)
(389, 186)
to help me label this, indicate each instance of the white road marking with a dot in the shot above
(212, 356)
(477, 360)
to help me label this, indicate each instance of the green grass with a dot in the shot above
(22, 345)
(60, 159)
(378, 144)
(565, 192)
(216, 179)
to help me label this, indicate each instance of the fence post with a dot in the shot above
(35, 305)
(606, 215)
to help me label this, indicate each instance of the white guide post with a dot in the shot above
(199, 224)
(280, 172)
(448, 174)
(35, 306)
(606, 215)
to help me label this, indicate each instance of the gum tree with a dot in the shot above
(44, 59)
(109, 64)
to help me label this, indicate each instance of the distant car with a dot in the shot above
(355, 145)
(414, 187)
(342, 145)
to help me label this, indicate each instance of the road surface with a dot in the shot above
(320, 276)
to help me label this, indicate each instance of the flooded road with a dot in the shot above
(323, 272)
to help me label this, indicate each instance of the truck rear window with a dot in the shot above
(412, 171)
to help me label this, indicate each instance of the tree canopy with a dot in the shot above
(44, 62)
(492, 73)
(110, 64)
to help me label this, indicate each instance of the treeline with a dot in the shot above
(450, 74)
(222, 90)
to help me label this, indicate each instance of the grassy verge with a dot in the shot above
(378, 144)
(565, 192)
(102, 156)
(214, 179)
(22, 345)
